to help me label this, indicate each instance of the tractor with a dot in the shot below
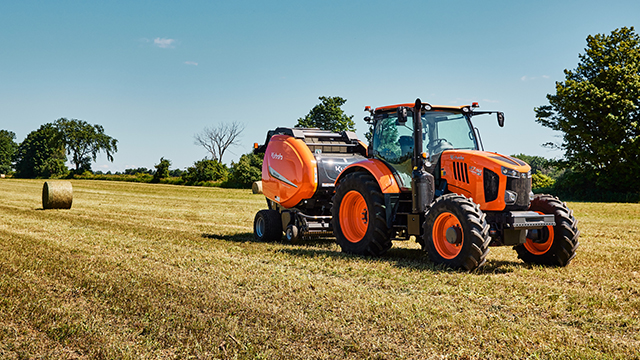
(423, 177)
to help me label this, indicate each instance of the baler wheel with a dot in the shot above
(456, 233)
(555, 245)
(267, 226)
(292, 235)
(359, 217)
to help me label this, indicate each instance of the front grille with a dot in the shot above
(491, 183)
(522, 187)
(460, 172)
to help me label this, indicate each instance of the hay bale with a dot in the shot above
(57, 195)
(257, 187)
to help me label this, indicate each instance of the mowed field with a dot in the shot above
(142, 271)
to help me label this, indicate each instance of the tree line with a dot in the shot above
(43, 153)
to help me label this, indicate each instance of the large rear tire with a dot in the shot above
(552, 245)
(267, 226)
(456, 233)
(358, 216)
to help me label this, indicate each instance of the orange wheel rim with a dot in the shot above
(354, 216)
(443, 222)
(540, 248)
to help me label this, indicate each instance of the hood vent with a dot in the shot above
(460, 172)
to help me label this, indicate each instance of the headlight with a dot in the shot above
(510, 172)
(510, 197)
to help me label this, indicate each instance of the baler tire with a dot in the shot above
(370, 234)
(292, 235)
(453, 211)
(562, 239)
(267, 226)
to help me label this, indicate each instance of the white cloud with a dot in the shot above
(191, 63)
(164, 43)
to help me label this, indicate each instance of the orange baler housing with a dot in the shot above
(289, 171)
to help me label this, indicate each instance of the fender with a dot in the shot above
(381, 172)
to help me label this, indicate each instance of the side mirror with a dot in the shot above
(402, 115)
(501, 119)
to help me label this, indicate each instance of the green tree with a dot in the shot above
(597, 109)
(8, 148)
(162, 170)
(328, 116)
(41, 154)
(247, 170)
(205, 170)
(84, 141)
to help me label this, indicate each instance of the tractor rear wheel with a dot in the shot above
(359, 217)
(551, 245)
(267, 226)
(456, 233)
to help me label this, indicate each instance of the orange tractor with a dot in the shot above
(423, 176)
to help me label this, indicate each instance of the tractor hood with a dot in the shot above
(496, 182)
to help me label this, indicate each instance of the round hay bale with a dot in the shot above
(57, 195)
(257, 187)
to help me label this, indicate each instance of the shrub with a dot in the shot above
(573, 185)
(162, 170)
(246, 171)
(140, 170)
(204, 171)
(542, 181)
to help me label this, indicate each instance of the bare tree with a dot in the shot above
(219, 138)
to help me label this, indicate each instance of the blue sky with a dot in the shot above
(154, 73)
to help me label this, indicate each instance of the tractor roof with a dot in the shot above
(410, 105)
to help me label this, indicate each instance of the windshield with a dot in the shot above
(441, 130)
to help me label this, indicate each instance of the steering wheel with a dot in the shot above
(442, 143)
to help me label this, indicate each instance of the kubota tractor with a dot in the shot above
(423, 176)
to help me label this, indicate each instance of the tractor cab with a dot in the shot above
(443, 128)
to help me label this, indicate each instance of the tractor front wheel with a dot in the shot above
(551, 245)
(456, 233)
(358, 216)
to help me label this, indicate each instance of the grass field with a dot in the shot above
(141, 271)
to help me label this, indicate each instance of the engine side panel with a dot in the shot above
(289, 171)
(478, 175)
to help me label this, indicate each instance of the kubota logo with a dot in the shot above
(276, 156)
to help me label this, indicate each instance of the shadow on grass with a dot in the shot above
(399, 257)
(239, 237)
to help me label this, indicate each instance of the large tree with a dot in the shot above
(597, 109)
(84, 141)
(41, 154)
(217, 139)
(8, 148)
(328, 115)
